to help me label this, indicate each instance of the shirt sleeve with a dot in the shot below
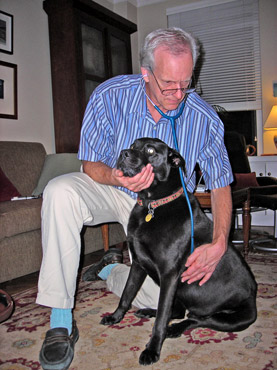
(96, 141)
(213, 160)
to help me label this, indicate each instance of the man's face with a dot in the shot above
(171, 72)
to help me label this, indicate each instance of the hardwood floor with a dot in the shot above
(25, 282)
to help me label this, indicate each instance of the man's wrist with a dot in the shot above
(221, 240)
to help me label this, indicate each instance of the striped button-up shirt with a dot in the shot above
(117, 115)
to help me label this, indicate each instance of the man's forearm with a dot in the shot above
(221, 200)
(99, 172)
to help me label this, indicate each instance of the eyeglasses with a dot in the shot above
(167, 92)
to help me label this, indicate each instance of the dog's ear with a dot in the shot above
(175, 159)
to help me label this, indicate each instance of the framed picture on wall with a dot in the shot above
(8, 90)
(6, 33)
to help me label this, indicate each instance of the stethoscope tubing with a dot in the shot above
(172, 120)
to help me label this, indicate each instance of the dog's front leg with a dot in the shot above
(135, 280)
(167, 292)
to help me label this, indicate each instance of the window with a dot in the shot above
(228, 32)
(228, 71)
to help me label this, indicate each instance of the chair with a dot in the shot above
(268, 200)
(249, 193)
(105, 236)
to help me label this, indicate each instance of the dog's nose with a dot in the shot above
(125, 153)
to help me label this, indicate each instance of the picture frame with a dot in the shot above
(6, 33)
(8, 90)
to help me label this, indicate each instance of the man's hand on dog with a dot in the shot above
(138, 182)
(202, 262)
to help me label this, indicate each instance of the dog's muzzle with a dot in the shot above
(130, 162)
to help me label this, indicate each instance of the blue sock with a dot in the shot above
(61, 318)
(105, 272)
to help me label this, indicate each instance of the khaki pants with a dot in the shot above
(69, 202)
(148, 295)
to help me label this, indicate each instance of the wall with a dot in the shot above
(31, 54)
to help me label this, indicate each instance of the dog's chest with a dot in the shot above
(148, 224)
(163, 235)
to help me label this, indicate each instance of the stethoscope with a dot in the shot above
(172, 120)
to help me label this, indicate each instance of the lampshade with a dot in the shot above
(271, 122)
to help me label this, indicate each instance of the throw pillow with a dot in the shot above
(7, 189)
(56, 165)
(244, 180)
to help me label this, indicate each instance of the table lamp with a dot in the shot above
(271, 122)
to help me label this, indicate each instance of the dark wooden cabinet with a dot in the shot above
(88, 44)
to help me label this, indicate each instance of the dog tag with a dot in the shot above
(150, 213)
(148, 217)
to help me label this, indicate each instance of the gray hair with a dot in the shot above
(174, 39)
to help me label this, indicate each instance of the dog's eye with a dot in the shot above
(150, 151)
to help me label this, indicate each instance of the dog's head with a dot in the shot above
(153, 151)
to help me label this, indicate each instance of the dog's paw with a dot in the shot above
(109, 320)
(148, 357)
(174, 331)
(146, 313)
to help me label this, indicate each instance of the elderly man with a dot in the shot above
(119, 111)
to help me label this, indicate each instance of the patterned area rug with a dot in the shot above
(118, 347)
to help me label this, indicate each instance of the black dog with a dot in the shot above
(159, 240)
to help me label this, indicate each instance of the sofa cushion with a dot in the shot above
(7, 189)
(22, 163)
(19, 216)
(56, 165)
